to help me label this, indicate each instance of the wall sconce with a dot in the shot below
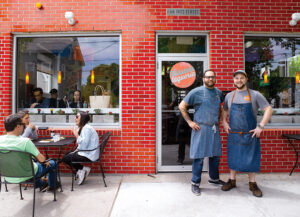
(92, 77)
(265, 77)
(70, 18)
(59, 77)
(27, 78)
(295, 19)
(39, 5)
(297, 78)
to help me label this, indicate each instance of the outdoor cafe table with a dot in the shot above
(48, 142)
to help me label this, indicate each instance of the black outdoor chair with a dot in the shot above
(103, 140)
(18, 164)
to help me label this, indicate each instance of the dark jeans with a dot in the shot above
(197, 169)
(73, 157)
(51, 170)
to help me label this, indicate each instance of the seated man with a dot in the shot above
(12, 140)
(40, 101)
(54, 101)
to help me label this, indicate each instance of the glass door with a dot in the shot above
(175, 78)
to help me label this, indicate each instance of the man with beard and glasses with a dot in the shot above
(243, 144)
(205, 138)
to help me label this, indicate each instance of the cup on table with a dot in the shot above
(56, 137)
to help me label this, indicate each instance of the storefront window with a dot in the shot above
(273, 66)
(64, 75)
(181, 44)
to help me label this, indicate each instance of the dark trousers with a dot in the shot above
(70, 159)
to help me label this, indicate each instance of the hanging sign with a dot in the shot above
(182, 75)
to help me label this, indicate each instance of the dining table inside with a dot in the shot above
(48, 142)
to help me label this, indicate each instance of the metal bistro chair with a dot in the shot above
(102, 145)
(18, 164)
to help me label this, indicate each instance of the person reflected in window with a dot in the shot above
(30, 129)
(55, 102)
(39, 100)
(77, 102)
(87, 139)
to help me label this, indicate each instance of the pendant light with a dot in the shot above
(265, 77)
(27, 78)
(297, 78)
(59, 77)
(92, 77)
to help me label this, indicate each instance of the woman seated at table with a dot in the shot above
(30, 130)
(87, 139)
(76, 103)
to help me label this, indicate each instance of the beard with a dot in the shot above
(208, 84)
(241, 87)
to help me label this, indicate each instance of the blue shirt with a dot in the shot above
(88, 140)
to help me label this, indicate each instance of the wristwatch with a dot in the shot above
(260, 127)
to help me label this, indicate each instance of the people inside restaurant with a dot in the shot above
(55, 102)
(39, 100)
(77, 101)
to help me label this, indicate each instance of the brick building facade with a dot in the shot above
(133, 147)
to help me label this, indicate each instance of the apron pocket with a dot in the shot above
(246, 139)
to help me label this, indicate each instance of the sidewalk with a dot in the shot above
(163, 195)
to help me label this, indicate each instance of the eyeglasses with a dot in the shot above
(210, 77)
(77, 116)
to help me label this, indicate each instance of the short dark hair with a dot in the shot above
(38, 89)
(53, 91)
(208, 70)
(12, 121)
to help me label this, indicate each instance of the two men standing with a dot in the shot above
(243, 146)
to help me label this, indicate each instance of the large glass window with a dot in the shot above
(63, 75)
(273, 65)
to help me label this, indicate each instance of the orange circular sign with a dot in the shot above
(182, 74)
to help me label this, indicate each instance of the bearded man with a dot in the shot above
(243, 144)
(205, 138)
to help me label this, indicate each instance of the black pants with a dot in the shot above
(70, 159)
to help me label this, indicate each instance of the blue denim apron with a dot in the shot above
(206, 142)
(243, 151)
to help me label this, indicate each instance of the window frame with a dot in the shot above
(17, 35)
(278, 35)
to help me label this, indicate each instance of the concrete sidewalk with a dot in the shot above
(161, 195)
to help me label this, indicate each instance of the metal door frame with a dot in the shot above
(159, 166)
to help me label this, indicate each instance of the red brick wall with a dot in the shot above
(132, 148)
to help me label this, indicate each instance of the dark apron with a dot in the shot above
(243, 151)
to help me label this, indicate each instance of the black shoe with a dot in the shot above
(216, 181)
(196, 190)
(49, 189)
(179, 162)
(43, 186)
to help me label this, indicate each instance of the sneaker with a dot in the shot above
(231, 183)
(196, 190)
(87, 171)
(255, 189)
(216, 181)
(81, 176)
